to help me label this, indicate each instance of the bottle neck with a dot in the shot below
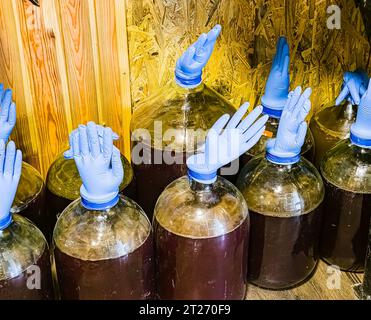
(272, 113)
(189, 88)
(6, 221)
(199, 187)
(287, 160)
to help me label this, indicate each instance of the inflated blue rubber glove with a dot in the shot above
(10, 173)
(226, 141)
(292, 129)
(7, 113)
(69, 153)
(278, 84)
(188, 71)
(360, 131)
(99, 165)
(354, 87)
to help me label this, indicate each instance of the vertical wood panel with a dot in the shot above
(107, 31)
(42, 64)
(12, 75)
(79, 60)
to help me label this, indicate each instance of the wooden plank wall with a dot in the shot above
(67, 63)
(67, 60)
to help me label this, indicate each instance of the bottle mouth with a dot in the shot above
(89, 205)
(283, 160)
(6, 221)
(188, 81)
(360, 142)
(204, 178)
(273, 113)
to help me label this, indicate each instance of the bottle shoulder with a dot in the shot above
(21, 246)
(281, 190)
(64, 181)
(179, 112)
(101, 235)
(30, 186)
(211, 212)
(348, 167)
(335, 120)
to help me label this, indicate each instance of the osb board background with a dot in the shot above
(160, 30)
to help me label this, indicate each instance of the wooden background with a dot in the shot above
(70, 61)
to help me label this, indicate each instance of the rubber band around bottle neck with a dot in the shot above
(273, 113)
(5, 222)
(187, 82)
(284, 161)
(99, 206)
(202, 178)
(360, 142)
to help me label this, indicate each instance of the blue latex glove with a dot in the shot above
(361, 129)
(354, 87)
(292, 129)
(69, 153)
(7, 113)
(10, 173)
(278, 84)
(226, 141)
(189, 66)
(99, 165)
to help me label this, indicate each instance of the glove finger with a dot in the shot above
(107, 143)
(76, 144)
(117, 168)
(9, 158)
(277, 56)
(302, 132)
(5, 105)
(284, 54)
(293, 100)
(199, 44)
(1, 92)
(12, 115)
(237, 117)
(342, 96)
(2, 155)
(305, 110)
(362, 90)
(83, 141)
(252, 142)
(285, 65)
(219, 125)
(254, 129)
(250, 119)
(93, 139)
(188, 56)
(17, 167)
(214, 33)
(100, 129)
(302, 101)
(354, 92)
(347, 76)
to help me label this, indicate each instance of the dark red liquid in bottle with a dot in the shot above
(345, 228)
(201, 269)
(25, 287)
(283, 251)
(130, 277)
(153, 178)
